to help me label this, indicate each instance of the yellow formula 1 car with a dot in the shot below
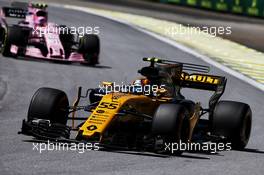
(149, 114)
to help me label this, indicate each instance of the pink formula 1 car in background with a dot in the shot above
(33, 36)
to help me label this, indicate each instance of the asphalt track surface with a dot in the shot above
(247, 31)
(121, 54)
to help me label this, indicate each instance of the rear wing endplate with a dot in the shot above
(206, 82)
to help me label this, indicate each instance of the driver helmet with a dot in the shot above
(41, 18)
(139, 84)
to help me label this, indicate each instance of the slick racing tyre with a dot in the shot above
(89, 46)
(170, 121)
(232, 120)
(2, 35)
(67, 39)
(50, 104)
(14, 35)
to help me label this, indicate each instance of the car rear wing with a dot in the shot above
(205, 82)
(20, 9)
(197, 80)
(201, 81)
(13, 12)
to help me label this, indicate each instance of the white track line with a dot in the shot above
(175, 44)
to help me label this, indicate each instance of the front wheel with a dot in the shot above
(50, 104)
(67, 40)
(232, 120)
(15, 35)
(170, 121)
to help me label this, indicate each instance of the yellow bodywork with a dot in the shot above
(110, 106)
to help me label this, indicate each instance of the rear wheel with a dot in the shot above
(232, 120)
(170, 121)
(50, 104)
(89, 46)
